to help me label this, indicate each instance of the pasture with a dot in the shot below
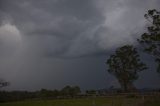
(97, 101)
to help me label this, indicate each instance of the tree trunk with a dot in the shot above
(131, 87)
(127, 86)
(123, 85)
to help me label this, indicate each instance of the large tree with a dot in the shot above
(125, 65)
(151, 39)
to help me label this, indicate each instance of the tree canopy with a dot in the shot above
(125, 65)
(151, 38)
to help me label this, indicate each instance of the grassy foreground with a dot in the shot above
(114, 101)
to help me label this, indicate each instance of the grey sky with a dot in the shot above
(53, 43)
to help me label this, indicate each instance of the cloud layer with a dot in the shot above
(40, 38)
(73, 27)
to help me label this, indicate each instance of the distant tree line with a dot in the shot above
(66, 92)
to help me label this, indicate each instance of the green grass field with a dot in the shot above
(116, 101)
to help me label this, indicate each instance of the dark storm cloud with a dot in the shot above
(52, 40)
(99, 25)
(63, 21)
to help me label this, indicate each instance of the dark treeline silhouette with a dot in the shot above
(69, 92)
(66, 92)
(91, 92)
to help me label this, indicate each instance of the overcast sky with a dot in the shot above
(53, 43)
